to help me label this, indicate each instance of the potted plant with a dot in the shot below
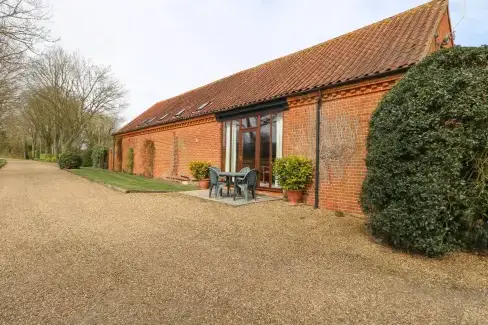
(294, 173)
(199, 171)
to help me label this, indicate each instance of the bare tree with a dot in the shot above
(10, 74)
(74, 91)
(20, 28)
(99, 130)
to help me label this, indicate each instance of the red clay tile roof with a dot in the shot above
(391, 44)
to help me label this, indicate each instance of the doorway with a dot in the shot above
(254, 141)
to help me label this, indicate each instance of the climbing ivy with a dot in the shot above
(148, 158)
(130, 161)
(98, 156)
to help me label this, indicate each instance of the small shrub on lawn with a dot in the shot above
(293, 172)
(199, 169)
(98, 156)
(130, 161)
(86, 158)
(426, 188)
(69, 160)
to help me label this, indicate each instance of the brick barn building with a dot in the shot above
(257, 115)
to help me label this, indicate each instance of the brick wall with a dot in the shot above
(110, 159)
(345, 116)
(443, 30)
(176, 145)
(346, 112)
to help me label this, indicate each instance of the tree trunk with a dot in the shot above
(34, 138)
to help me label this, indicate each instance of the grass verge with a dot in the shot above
(130, 182)
(3, 162)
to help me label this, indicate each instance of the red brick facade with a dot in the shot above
(345, 116)
(346, 112)
(176, 145)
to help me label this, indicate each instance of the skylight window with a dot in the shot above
(180, 112)
(144, 122)
(203, 106)
(148, 120)
(163, 117)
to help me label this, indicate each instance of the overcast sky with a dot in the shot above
(161, 48)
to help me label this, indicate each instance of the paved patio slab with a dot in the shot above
(239, 201)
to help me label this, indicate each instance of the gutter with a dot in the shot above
(317, 150)
(318, 119)
(284, 97)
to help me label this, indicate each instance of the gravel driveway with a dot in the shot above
(74, 252)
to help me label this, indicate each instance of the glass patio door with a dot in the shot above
(254, 141)
(248, 150)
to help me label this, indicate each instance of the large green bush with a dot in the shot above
(426, 188)
(99, 155)
(69, 160)
(293, 172)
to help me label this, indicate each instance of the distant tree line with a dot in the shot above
(51, 101)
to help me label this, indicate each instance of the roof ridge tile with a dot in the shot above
(393, 42)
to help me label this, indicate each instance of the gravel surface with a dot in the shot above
(74, 252)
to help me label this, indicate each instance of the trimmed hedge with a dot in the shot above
(426, 188)
(69, 160)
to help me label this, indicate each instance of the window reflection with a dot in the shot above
(264, 165)
(255, 148)
(249, 122)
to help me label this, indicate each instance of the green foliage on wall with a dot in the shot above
(130, 161)
(426, 188)
(148, 157)
(99, 156)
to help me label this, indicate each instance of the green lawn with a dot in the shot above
(130, 182)
(2, 162)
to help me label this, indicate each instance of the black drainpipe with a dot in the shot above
(317, 150)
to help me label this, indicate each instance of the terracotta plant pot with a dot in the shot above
(294, 197)
(204, 184)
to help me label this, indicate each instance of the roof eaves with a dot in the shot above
(283, 95)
